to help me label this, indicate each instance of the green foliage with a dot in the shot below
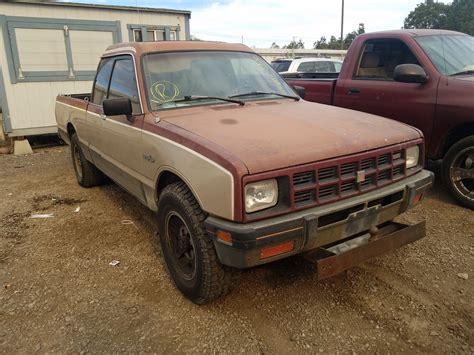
(295, 45)
(335, 43)
(429, 14)
(457, 16)
(274, 45)
(461, 16)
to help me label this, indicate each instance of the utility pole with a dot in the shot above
(342, 25)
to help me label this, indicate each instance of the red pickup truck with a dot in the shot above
(424, 78)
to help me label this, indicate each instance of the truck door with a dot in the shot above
(94, 110)
(117, 140)
(372, 88)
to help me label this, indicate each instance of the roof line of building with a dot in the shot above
(101, 6)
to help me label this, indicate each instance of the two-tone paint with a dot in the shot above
(215, 149)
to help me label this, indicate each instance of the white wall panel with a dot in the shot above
(41, 49)
(87, 47)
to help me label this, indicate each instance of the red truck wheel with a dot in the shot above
(458, 171)
(188, 250)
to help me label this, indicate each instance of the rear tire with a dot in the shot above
(187, 248)
(457, 164)
(87, 174)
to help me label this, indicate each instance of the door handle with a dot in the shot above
(353, 91)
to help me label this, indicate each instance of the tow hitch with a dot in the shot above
(332, 260)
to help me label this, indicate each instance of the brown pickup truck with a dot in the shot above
(240, 171)
(424, 78)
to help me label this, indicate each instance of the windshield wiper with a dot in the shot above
(194, 97)
(464, 72)
(252, 93)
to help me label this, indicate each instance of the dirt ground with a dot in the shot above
(59, 294)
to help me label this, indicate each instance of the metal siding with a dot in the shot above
(7, 127)
(38, 115)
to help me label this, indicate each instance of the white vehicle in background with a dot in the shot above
(307, 65)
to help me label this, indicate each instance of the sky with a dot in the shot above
(261, 22)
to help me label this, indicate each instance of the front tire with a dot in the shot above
(458, 171)
(187, 248)
(87, 175)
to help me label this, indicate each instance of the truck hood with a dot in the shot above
(273, 134)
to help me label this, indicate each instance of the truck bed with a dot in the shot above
(69, 107)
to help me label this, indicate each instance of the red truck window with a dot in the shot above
(381, 56)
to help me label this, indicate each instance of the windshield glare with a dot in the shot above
(450, 54)
(170, 77)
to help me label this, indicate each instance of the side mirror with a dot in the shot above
(117, 107)
(300, 91)
(410, 73)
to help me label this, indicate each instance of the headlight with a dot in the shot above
(413, 155)
(260, 195)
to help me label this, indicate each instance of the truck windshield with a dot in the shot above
(450, 54)
(172, 77)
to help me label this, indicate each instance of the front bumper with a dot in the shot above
(315, 227)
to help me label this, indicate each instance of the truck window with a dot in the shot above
(124, 83)
(316, 67)
(102, 81)
(381, 56)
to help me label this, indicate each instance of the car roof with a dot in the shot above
(174, 46)
(413, 33)
(317, 59)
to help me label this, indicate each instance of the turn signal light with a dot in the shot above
(277, 249)
(224, 237)
(417, 198)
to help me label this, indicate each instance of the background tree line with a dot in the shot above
(456, 16)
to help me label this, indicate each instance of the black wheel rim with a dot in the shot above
(181, 245)
(461, 173)
(76, 155)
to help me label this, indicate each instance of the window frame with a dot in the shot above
(126, 58)
(10, 23)
(132, 28)
(114, 58)
(108, 59)
(361, 54)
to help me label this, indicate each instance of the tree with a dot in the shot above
(460, 16)
(295, 45)
(274, 45)
(335, 43)
(352, 35)
(457, 16)
(321, 44)
(428, 14)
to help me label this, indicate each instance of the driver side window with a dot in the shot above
(380, 57)
(102, 81)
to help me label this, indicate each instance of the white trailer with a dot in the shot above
(48, 48)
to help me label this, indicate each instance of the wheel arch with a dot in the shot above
(455, 134)
(70, 129)
(168, 176)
